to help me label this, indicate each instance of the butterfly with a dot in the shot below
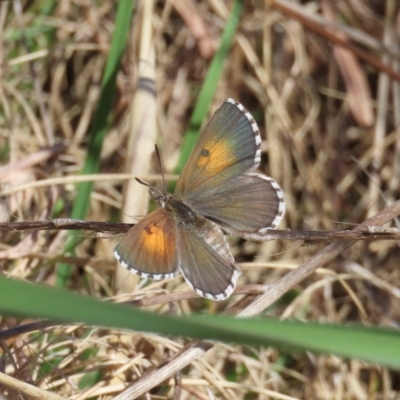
(218, 191)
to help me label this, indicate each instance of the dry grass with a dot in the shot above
(329, 121)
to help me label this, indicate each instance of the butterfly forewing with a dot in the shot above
(228, 146)
(149, 248)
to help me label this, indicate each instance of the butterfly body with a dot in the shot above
(183, 214)
(187, 219)
(217, 190)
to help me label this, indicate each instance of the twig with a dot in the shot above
(30, 390)
(368, 233)
(165, 370)
(66, 224)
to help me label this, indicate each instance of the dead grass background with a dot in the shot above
(329, 121)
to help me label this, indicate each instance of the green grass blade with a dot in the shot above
(209, 86)
(376, 345)
(99, 127)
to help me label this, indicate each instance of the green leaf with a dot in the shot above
(376, 345)
(90, 379)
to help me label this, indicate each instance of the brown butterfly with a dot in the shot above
(218, 189)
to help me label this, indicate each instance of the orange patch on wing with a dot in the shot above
(155, 240)
(215, 157)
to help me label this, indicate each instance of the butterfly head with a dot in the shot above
(158, 196)
(161, 198)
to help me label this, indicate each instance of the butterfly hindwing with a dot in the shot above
(248, 204)
(149, 249)
(206, 262)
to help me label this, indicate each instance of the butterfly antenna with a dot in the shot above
(162, 169)
(142, 183)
